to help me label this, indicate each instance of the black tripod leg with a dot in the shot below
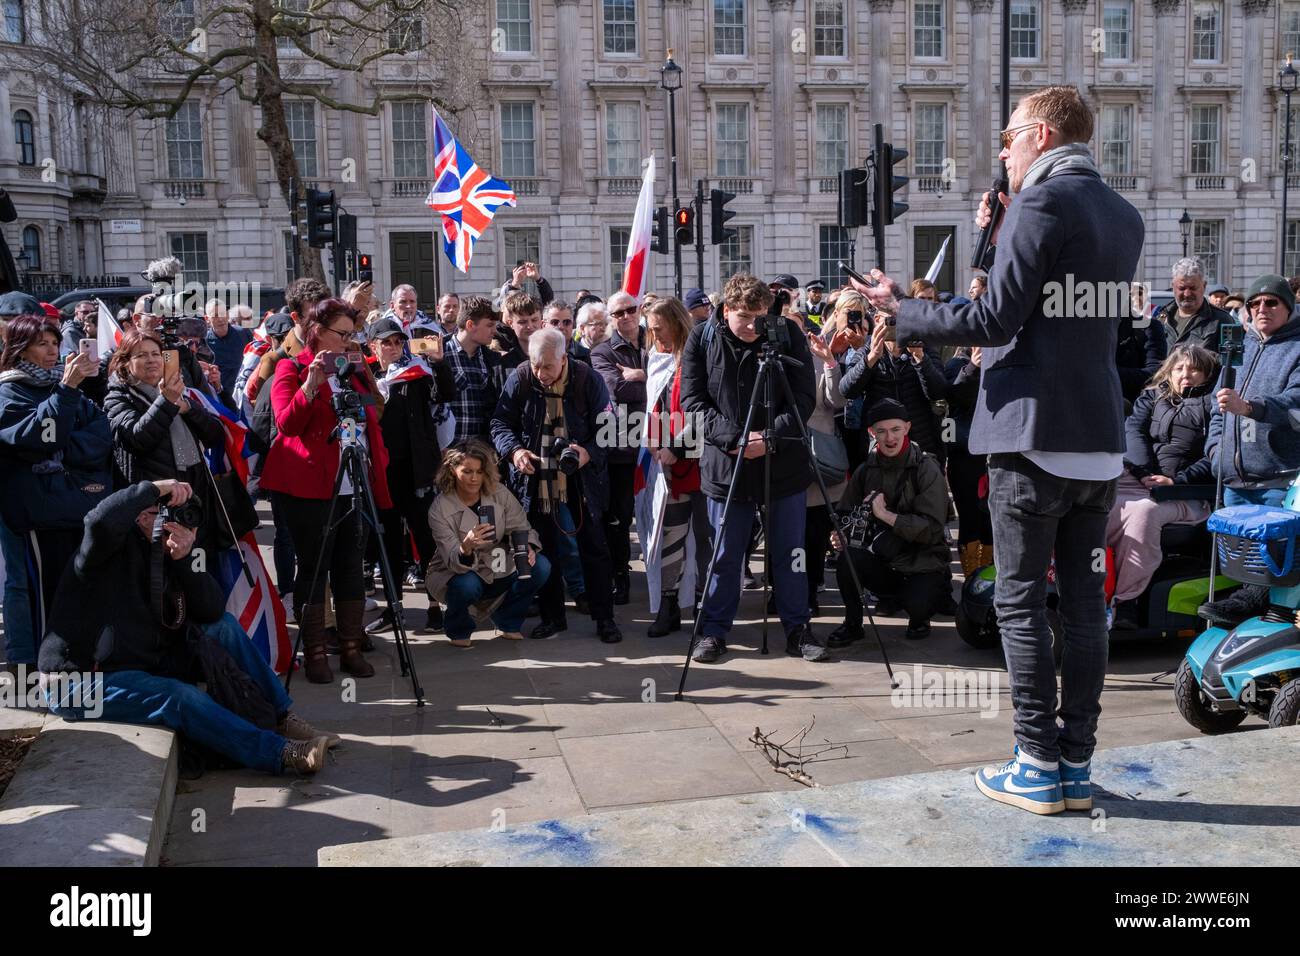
(821, 484)
(717, 538)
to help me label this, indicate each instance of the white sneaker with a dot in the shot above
(372, 604)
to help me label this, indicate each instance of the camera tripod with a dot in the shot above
(771, 370)
(354, 464)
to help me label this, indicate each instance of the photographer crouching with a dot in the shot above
(896, 504)
(136, 606)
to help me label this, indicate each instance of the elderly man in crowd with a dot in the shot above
(593, 326)
(403, 308)
(227, 341)
(1191, 319)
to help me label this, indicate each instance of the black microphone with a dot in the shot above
(984, 246)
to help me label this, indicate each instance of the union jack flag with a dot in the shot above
(466, 196)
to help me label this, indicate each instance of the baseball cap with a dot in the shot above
(696, 298)
(278, 324)
(383, 328)
(786, 280)
(19, 303)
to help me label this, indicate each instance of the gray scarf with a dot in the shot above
(185, 450)
(24, 371)
(1059, 160)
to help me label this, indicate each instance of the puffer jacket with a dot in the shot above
(1166, 434)
(142, 444)
(917, 387)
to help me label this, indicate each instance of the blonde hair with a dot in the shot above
(455, 456)
(679, 321)
(1202, 359)
(845, 302)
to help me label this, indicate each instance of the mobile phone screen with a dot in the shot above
(856, 275)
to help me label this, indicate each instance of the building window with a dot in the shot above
(522, 244)
(177, 21)
(927, 29)
(736, 253)
(518, 139)
(1117, 30)
(620, 26)
(1205, 140)
(931, 138)
(623, 139)
(829, 28)
(515, 21)
(406, 34)
(410, 144)
(192, 249)
(32, 248)
(1117, 140)
(1207, 244)
(184, 136)
(619, 239)
(288, 258)
(833, 246)
(831, 140)
(1292, 254)
(1290, 31)
(301, 119)
(291, 44)
(733, 139)
(729, 27)
(1282, 135)
(1026, 23)
(1207, 34)
(15, 22)
(25, 137)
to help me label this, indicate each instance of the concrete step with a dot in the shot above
(1206, 801)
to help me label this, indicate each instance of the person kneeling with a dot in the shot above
(482, 538)
(901, 552)
(137, 605)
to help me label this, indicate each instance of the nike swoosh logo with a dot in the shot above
(1012, 787)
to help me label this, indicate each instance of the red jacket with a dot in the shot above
(303, 461)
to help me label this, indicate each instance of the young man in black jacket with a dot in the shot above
(134, 610)
(719, 373)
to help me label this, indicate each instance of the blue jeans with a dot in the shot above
(466, 589)
(1033, 514)
(785, 532)
(137, 697)
(570, 563)
(1251, 496)
(20, 639)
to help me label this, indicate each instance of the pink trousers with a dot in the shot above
(1134, 533)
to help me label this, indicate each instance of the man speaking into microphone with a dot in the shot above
(1050, 416)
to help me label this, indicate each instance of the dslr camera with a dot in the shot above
(565, 453)
(189, 515)
(863, 530)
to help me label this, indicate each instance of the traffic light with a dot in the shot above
(365, 271)
(884, 209)
(321, 210)
(660, 242)
(347, 231)
(684, 220)
(720, 232)
(855, 198)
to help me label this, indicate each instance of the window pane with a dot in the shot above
(931, 140)
(301, 119)
(177, 20)
(287, 44)
(1205, 139)
(1207, 243)
(735, 254)
(1116, 140)
(1292, 247)
(25, 137)
(928, 29)
(410, 153)
(517, 138)
(832, 249)
(522, 244)
(733, 139)
(620, 26)
(406, 33)
(32, 246)
(192, 249)
(1117, 24)
(1205, 32)
(15, 24)
(831, 140)
(1024, 30)
(829, 28)
(184, 136)
(1290, 31)
(619, 239)
(514, 18)
(729, 27)
(623, 139)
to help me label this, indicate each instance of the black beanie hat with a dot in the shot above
(886, 408)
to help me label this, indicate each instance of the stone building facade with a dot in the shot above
(777, 96)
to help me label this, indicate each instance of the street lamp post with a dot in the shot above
(1185, 227)
(1286, 77)
(670, 80)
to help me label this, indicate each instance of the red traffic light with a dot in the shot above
(683, 217)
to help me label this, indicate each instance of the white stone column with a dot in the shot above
(783, 140)
(242, 147)
(1169, 24)
(1073, 43)
(882, 78)
(1258, 70)
(678, 38)
(8, 147)
(570, 96)
(982, 71)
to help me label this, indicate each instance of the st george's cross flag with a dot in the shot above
(108, 334)
(637, 268)
(466, 196)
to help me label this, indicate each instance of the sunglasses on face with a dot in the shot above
(621, 312)
(1007, 136)
(1266, 303)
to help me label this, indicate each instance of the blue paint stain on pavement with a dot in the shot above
(831, 826)
(574, 845)
(1051, 847)
(1142, 772)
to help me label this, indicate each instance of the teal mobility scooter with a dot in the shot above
(1255, 667)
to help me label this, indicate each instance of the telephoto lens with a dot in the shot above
(519, 547)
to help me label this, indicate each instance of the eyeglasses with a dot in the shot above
(1007, 136)
(620, 312)
(343, 335)
(1268, 303)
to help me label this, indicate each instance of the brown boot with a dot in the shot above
(352, 634)
(316, 660)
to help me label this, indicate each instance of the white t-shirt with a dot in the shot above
(1079, 465)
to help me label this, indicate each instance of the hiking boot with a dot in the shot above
(809, 646)
(669, 618)
(305, 756)
(293, 727)
(708, 650)
(1249, 600)
(1023, 782)
(846, 634)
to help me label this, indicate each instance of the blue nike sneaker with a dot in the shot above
(1025, 783)
(1076, 784)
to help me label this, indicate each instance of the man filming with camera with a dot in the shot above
(137, 608)
(719, 374)
(896, 504)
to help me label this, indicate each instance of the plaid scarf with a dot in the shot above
(551, 484)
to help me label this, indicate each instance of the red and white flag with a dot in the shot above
(636, 271)
(108, 333)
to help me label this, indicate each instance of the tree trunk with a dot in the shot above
(274, 131)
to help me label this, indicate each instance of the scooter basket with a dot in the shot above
(1257, 544)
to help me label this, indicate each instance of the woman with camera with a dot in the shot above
(158, 432)
(55, 463)
(484, 544)
(307, 395)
